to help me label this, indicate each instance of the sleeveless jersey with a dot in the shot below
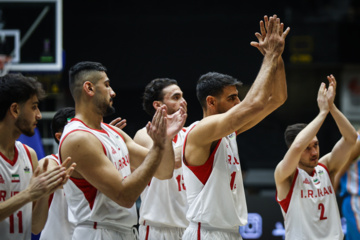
(163, 202)
(218, 199)
(310, 209)
(15, 177)
(57, 226)
(89, 206)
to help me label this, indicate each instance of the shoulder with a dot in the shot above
(142, 138)
(32, 155)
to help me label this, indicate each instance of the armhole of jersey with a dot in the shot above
(88, 190)
(327, 170)
(109, 126)
(50, 200)
(201, 172)
(75, 131)
(286, 201)
(29, 156)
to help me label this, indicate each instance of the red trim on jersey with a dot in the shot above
(147, 232)
(50, 200)
(95, 225)
(286, 201)
(54, 155)
(29, 156)
(199, 231)
(202, 172)
(101, 131)
(175, 138)
(327, 170)
(109, 126)
(75, 131)
(88, 190)
(11, 162)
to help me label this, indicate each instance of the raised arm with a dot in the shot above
(213, 128)
(286, 168)
(342, 149)
(92, 164)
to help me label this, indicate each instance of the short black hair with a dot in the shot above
(82, 72)
(60, 119)
(16, 88)
(154, 92)
(292, 131)
(212, 84)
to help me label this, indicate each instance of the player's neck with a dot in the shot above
(309, 170)
(9, 134)
(88, 115)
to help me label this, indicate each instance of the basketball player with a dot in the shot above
(211, 168)
(163, 202)
(101, 193)
(58, 225)
(304, 182)
(24, 187)
(349, 178)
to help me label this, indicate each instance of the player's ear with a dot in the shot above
(58, 136)
(14, 109)
(210, 101)
(88, 87)
(156, 104)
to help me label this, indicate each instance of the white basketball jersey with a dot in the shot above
(57, 226)
(15, 176)
(217, 200)
(163, 202)
(310, 209)
(85, 202)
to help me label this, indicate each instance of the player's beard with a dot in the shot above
(104, 107)
(25, 126)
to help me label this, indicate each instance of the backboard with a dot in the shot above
(31, 32)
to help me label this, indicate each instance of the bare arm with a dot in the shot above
(342, 149)
(215, 127)
(286, 168)
(92, 164)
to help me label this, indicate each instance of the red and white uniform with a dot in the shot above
(90, 208)
(215, 190)
(310, 209)
(58, 226)
(15, 177)
(164, 205)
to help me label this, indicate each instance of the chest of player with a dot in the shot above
(13, 178)
(316, 187)
(228, 152)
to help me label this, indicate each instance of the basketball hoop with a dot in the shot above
(4, 64)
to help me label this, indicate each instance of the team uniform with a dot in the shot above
(15, 177)
(95, 215)
(350, 190)
(58, 226)
(310, 209)
(164, 205)
(215, 193)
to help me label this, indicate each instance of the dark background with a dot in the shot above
(139, 41)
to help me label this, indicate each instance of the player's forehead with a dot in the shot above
(171, 90)
(314, 141)
(229, 90)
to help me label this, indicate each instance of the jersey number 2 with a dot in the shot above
(321, 207)
(19, 215)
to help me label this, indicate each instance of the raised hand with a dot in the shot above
(117, 122)
(157, 128)
(331, 90)
(322, 98)
(272, 36)
(176, 121)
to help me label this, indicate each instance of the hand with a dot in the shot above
(272, 37)
(117, 122)
(45, 183)
(176, 121)
(322, 98)
(331, 90)
(157, 128)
